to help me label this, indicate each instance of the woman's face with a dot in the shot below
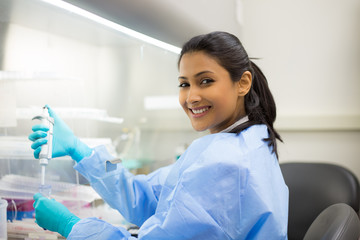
(207, 94)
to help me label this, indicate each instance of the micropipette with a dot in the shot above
(46, 149)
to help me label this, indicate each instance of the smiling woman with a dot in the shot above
(208, 95)
(226, 185)
(238, 84)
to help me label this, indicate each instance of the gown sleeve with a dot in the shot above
(134, 196)
(95, 229)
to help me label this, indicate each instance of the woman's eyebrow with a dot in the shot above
(196, 75)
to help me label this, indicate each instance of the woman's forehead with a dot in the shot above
(193, 64)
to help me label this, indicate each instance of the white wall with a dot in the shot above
(338, 147)
(310, 52)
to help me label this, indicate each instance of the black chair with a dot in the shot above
(337, 222)
(312, 188)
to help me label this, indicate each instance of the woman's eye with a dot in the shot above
(182, 85)
(207, 81)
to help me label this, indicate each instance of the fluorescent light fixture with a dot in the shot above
(161, 102)
(112, 25)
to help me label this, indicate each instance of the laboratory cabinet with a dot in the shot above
(112, 89)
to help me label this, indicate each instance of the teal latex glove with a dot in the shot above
(53, 216)
(64, 140)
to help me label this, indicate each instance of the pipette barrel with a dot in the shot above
(44, 155)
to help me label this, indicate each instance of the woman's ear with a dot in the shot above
(244, 84)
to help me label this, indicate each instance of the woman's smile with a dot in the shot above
(199, 111)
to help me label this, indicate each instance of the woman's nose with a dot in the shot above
(193, 95)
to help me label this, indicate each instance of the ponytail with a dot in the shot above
(260, 107)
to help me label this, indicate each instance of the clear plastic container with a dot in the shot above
(3, 220)
(45, 190)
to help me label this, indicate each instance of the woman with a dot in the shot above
(227, 185)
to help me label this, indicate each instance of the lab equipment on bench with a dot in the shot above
(22, 187)
(46, 149)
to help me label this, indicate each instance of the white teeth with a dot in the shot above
(199, 111)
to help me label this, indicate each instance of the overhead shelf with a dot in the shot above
(19, 147)
(71, 113)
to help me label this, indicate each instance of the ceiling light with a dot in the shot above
(112, 25)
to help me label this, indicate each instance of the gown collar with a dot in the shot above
(237, 123)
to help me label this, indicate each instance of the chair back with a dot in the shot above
(312, 188)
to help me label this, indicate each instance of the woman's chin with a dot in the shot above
(199, 128)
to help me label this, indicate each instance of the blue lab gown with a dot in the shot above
(225, 186)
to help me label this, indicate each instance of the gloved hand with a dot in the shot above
(64, 140)
(53, 216)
